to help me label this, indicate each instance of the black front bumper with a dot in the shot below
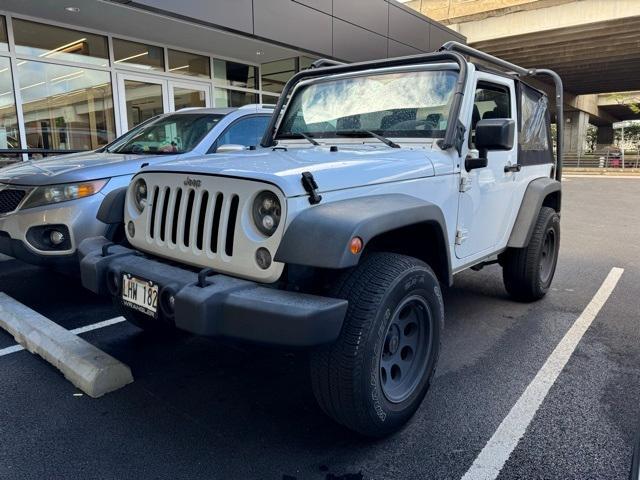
(17, 249)
(223, 307)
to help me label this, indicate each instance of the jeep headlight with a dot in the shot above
(266, 212)
(140, 194)
(64, 192)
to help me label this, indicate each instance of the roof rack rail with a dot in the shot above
(251, 106)
(326, 62)
(522, 72)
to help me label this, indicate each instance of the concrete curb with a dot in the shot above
(88, 368)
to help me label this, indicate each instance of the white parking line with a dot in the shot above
(86, 328)
(496, 452)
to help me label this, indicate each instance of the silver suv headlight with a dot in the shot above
(63, 192)
(266, 212)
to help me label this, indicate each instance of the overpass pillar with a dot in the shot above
(604, 137)
(575, 131)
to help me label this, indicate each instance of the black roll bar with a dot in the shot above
(449, 51)
(523, 72)
(452, 138)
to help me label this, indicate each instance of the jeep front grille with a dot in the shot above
(178, 216)
(10, 199)
(204, 221)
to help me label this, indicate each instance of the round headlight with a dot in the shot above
(266, 212)
(140, 194)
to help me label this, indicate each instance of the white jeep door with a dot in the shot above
(486, 194)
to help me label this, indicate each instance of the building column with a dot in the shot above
(604, 137)
(575, 131)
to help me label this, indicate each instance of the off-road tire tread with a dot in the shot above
(520, 267)
(334, 368)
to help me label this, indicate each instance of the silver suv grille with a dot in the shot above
(11, 198)
(204, 221)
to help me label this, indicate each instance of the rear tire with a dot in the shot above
(376, 374)
(528, 272)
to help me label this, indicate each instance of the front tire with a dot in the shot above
(528, 272)
(375, 376)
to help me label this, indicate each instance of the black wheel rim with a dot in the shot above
(548, 256)
(406, 350)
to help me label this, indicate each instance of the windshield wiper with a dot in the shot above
(308, 138)
(384, 140)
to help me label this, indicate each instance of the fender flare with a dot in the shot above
(534, 196)
(320, 235)
(111, 209)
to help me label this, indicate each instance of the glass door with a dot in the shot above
(188, 95)
(141, 98)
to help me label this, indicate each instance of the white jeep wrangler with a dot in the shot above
(378, 183)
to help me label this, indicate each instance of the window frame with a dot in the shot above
(533, 157)
(489, 85)
(216, 143)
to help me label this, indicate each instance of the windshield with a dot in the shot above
(170, 134)
(401, 104)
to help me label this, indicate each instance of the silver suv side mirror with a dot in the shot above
(230, 147)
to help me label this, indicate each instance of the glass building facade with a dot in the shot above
(66, 89)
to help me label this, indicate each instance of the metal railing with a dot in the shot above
(607, 158)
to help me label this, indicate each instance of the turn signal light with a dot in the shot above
(355, 246)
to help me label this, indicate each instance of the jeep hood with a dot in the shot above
(347, 168)
(77, 167)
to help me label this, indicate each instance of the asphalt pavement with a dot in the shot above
(200, 408)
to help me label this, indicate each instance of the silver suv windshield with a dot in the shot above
(168, 135)
(399, 104)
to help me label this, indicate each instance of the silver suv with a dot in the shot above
(48, 207)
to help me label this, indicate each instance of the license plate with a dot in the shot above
(140, 295)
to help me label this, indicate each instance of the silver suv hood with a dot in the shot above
(347, 168)
(77, 167)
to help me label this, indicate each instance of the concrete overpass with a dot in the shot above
(593, 44)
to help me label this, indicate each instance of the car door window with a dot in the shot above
(490, 101)
(246, 131)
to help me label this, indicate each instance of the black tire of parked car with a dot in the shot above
(375, 376)
(528, 272)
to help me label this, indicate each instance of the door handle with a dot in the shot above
(512, 168)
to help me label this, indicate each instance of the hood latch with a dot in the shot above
(310, 185)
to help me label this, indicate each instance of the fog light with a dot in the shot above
(131, 229)
(263, 258)
(56, 237)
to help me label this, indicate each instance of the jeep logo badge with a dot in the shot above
(192, 182)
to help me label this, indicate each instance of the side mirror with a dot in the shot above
(474, 160)
(230, 147)
(495, 134)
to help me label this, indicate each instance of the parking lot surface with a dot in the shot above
(206, 409)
